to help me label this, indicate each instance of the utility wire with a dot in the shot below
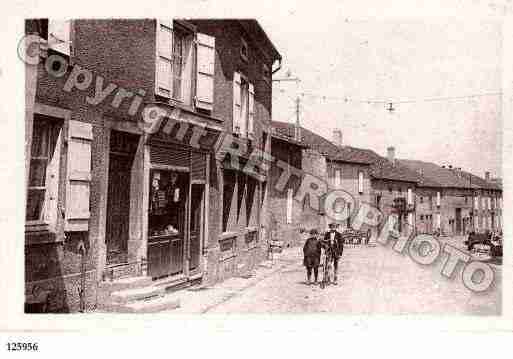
(375, 101)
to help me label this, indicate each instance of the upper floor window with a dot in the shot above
(337, 177)
(243, 106)
(44, 168)
(360, 182)
(57, 33)
(176, 68)
(244, 50)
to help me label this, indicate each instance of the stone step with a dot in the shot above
(136, 294)
(126, 283)
(159, 304)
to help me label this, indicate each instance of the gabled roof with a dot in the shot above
(380, 167)
(433, 175)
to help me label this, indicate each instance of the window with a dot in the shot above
(57, 33)
(251, 210)
(337, 178)
(421, 199)
(178, 58)
(243, 106)
(178, 62)
(229, 180)
(410, 196)
(44, 170)
(360, 182)
(173, 42)
(421, 217)
(289, 205)
(244, 50)
(389, 189)
(438, 198)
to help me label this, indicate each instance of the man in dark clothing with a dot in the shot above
(312, 255)
(333, 242)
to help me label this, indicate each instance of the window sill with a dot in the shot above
(41, 236)
(163, 100)
(227, 235)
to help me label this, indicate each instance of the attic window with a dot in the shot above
(244, 50)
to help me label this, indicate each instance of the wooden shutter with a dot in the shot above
(236, 103)
(206, 55)
(251, 111)
(164, 69)
(198, 166)
(80, 136)
(59, 36)
(170, 156)
(360, 182)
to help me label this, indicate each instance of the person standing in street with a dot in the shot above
(334, 243)
(312, 255)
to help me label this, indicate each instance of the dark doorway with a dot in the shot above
(458, 221)
(121, 157)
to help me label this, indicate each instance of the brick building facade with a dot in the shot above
(107, 200)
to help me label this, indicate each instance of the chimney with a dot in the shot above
(487, 176)
(337, 137)
(391, 154)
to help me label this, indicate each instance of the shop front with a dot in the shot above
(176, 211)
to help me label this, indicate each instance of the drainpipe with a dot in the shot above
(277, 69)
(81, 291)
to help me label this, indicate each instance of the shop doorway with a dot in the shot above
(121, 157)
(167, 223)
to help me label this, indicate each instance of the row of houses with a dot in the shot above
(116, 201)
(111, 205)
(423, 196)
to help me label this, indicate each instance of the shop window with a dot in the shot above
(229, 180)
(42, 188)
(168, 198)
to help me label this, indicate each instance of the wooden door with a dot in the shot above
(118, 208)
(196, 225)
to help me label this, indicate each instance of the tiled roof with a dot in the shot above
(380, 167)
(432, 175)
(426, 174)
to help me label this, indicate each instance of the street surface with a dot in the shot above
(372, 280)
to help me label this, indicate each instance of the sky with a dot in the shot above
(394, 60)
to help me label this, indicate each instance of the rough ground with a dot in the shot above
(374, 280)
